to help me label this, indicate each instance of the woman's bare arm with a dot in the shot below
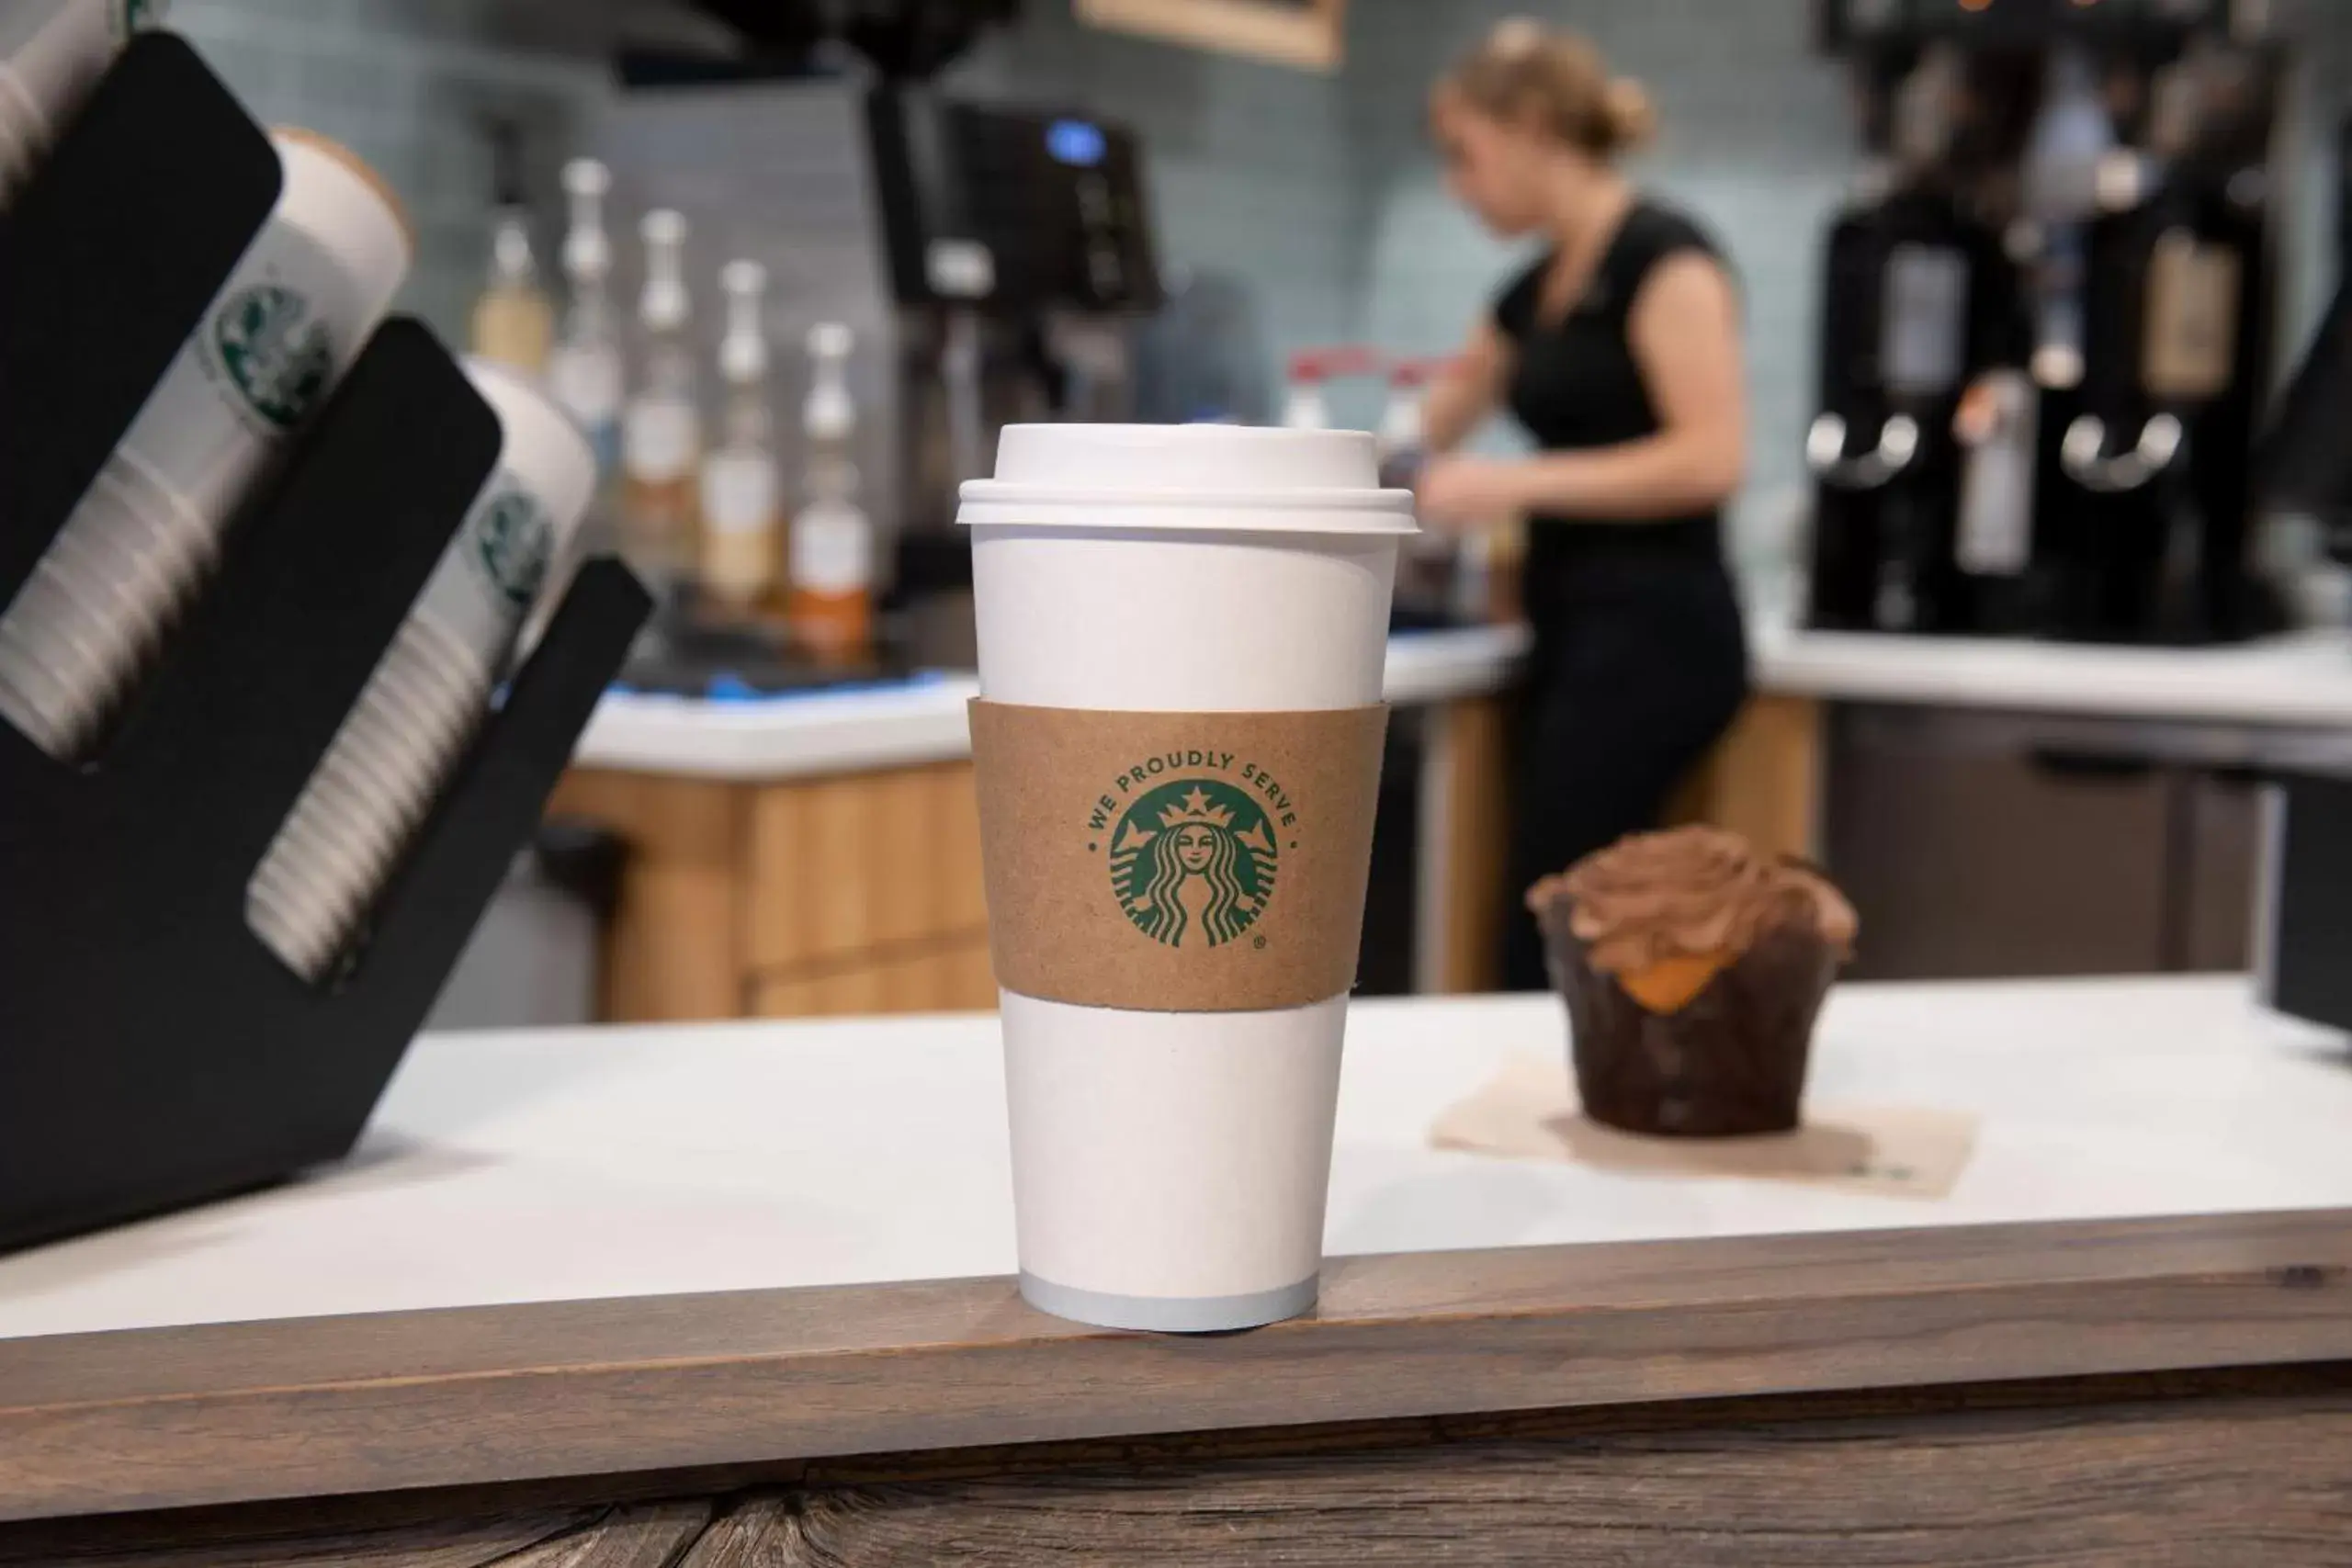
(1467, 390)
(1685, 336)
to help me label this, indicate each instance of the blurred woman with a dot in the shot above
(1618, 350)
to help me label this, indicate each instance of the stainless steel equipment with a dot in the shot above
(1981, 844)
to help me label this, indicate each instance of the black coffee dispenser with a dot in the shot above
(2153, 493)
(1917, 300)
(2046, 325)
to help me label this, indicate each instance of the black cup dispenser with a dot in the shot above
(152, 1053)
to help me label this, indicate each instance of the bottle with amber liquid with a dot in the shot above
(514, 322)
(662, 429)
(830, 599)
(742, 504)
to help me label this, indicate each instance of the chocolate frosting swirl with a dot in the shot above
(1689, 891)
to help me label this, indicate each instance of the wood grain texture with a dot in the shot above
(673, 952)
(846, 867)
(820, 897)
(1763, 779)
(235, 1413)
(651, 1535)
(1477, 828)
(956, 813)
(1311, 36)
(463, 1543)
(967, 978)
(950, 975)
(655, 1535)
(2233, 1467)
(2229, 1484)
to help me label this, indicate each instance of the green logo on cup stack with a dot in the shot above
(276, 352)
(1192, 862)
(511, 544)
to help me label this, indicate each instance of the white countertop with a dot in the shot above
(2298, 682)
(2304, 680)
(619, 1162)
(865, 728)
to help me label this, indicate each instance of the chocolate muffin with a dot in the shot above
(1693, 969)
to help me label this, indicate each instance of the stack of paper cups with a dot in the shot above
(1181, 635)
(137, 548)
(386, 765)
(52, 53)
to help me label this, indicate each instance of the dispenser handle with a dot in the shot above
(1825, 453)
(2084, 455)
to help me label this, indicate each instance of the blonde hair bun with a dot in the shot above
(1632, 117)
(1518, 37)
(1527, 74)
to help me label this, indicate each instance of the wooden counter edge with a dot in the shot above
(237, 1413)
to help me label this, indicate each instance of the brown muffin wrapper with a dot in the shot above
(1730, 1060)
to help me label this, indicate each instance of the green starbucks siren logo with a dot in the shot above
(1192, 862)
(277, 353)
(511, 544)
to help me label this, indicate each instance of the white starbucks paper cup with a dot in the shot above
(1169, 1168)
(295, 310)
(388, 763)
(51, 54)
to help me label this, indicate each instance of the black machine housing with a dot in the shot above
(2121, 549)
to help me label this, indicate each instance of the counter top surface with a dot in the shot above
(615, 1230)
(634, 1162)
(923, 720)
(2302, 679)
(2300, 682)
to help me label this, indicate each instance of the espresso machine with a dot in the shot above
(2047, 319)
(1019, 256)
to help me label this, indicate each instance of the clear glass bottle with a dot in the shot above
(585, 371)
(741, 513)
(662, 432)
(514, 322)
(832, 597)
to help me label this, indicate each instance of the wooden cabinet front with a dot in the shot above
(855, 894)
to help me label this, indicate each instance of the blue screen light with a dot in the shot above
(1075, 142)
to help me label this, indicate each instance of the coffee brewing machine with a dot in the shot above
(2048, 318)
(1020, 255)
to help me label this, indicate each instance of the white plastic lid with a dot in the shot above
(340, 202)
(1223, 477)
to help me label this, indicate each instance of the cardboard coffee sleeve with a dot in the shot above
(1177, 863)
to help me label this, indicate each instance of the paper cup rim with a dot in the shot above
(27, 126)
(359, 169)
(1376, 513)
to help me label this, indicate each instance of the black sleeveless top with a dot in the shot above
(1576, 385)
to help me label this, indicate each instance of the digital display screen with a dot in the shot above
(1075, 142)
